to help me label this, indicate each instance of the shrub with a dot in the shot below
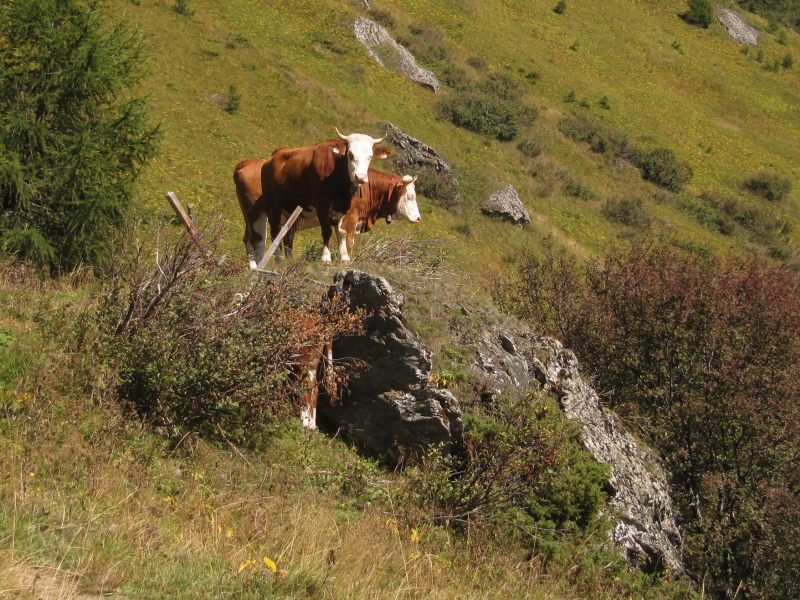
(604, 103)
(571, 96)
(561, 7)
(440, 187)
(519, 453)
(700, 13)
(530, 147)
(628, 211)
(577, 189)
(704, 357)
(481, 114)
(703, 211)
(73, 140)
(477, 63)
(502, 87)
(788, 61)
(234, 100)
(383, 17)
(191, 347)
(770, 185)
(182, 8)
(455, 77)
(662, 167)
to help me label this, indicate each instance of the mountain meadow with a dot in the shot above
(150, 438)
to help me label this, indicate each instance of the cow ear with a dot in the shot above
(382, 152)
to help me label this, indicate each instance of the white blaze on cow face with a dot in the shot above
(359, 155)
(407, 207)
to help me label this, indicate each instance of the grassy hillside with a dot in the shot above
(300, 72)
(104, 503)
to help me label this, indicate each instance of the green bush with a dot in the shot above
(561, 7)
(788, 61)
(530, 147)
(482, 114)
(770, 185)
(502, 87)
(520, 454)
(662, 167)
(440, 187)
(700, 13)
(73, 139)
(628, 211)
(234, 100)
(578, 189)
(194, 348)
(182, 8)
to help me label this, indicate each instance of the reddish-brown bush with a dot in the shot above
(703, 356)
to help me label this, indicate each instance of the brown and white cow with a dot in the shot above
(320, 178)
(385, 196)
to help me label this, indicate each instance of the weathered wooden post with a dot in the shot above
(274, 245)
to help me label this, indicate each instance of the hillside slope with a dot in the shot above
(300, 72)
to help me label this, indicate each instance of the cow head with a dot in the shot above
(360, 151)
(407, 204)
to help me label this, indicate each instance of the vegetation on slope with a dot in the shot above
(169, 498)
(705, 357)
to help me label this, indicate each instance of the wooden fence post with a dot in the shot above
(274, 245)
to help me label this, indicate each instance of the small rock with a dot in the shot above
(507, 205)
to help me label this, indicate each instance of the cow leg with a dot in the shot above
(255, 238)
(347, 226)
(308, 414)
(288, 242)
(274, 229)
(341, 240)
(326, 229)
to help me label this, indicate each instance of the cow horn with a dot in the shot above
(340, 134)
(378, 141)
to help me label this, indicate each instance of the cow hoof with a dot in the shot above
(345, 259)
(326, 260)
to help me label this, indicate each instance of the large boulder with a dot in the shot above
(645, 525)
(506, 204)
(737, 28)
(387, 408)
(388, 53)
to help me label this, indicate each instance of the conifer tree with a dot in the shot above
(73, 137)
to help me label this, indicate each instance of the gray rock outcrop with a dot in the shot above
(507, 205)
(389, 54)
(413, 152)
(640, 506)
(387, 408)
(737, 28)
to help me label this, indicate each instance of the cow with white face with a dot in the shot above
(359, 155)
(321, 178)
(384, 196)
